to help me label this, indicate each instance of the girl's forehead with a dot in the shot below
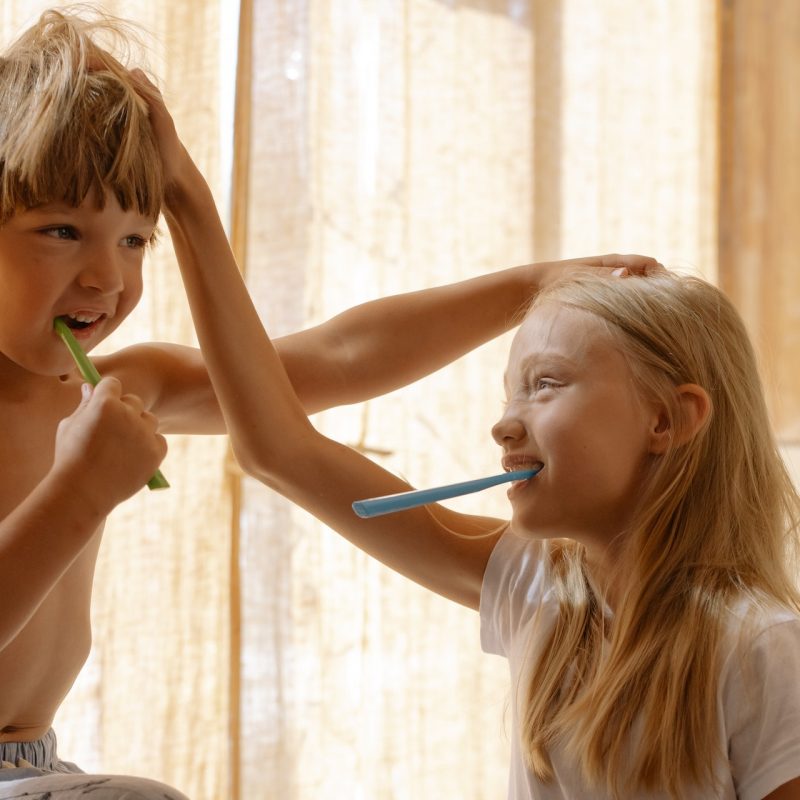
(557, 330)
(567, 343)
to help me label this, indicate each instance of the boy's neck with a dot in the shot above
(18, 384)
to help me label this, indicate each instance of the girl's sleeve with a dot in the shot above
(762, 705)
(511, 592)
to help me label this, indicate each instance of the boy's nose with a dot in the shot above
(508, 429)
(103, 274)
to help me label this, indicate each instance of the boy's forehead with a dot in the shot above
(93, 203)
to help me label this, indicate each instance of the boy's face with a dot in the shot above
(81, 263)
(572, 405)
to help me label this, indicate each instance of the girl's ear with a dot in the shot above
(694, 408)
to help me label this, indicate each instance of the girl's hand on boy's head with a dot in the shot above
(109, 446)
(173, 154)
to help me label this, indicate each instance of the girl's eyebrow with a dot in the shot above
(547, 358)
(536, 359)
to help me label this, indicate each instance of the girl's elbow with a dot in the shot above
(256, 463)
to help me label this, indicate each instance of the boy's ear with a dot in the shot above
(694, 407)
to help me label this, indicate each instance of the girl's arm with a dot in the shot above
(789, 791)
(270, 431)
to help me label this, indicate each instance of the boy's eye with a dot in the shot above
(61, 232)
(135, 242)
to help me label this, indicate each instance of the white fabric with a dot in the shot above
(758, 699)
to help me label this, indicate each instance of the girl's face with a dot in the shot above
(80, 263)
(572, 405)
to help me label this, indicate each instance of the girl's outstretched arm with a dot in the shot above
(269, 429)
(272, 436)
(789, 791)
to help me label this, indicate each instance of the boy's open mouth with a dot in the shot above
(82, 321)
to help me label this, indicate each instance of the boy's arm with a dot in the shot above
(384, 344)
(366, 351)
(105, 451)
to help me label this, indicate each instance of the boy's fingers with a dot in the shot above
(108, 386)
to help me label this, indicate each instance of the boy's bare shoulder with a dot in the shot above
(172, 382)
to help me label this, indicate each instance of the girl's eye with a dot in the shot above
(538, 385)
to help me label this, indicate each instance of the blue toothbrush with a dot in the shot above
(389, 503)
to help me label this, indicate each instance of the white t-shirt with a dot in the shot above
(758, 716)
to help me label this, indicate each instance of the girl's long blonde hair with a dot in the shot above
(718, 521)
(71, 119)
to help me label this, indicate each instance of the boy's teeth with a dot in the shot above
(80, 321)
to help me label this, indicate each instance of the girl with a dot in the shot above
(643, 591)
(81, 188)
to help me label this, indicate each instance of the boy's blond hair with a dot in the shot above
(634, 698)
(71, 120)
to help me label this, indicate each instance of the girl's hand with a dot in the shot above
(175, 159)
(109, 446)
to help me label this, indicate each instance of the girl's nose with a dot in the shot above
(508, 429)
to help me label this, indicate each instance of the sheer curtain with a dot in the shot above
(241, 650)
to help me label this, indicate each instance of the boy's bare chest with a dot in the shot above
(39, 665)
(28, 428)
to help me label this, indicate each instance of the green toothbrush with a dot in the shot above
(92, 376)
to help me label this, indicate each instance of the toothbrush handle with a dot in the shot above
(387, 504)
(92, 376)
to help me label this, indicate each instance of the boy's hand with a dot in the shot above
(611, 264)
(109, 446)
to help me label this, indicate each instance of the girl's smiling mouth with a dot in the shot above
(512, 463)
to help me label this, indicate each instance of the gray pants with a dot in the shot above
(33, 771)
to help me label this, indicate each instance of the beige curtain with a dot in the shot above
(242, 650)
(759, 238)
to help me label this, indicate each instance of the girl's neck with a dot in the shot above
(603, 570)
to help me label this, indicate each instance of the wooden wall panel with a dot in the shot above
(759, 235)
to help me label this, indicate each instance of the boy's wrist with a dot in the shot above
(75, 504)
